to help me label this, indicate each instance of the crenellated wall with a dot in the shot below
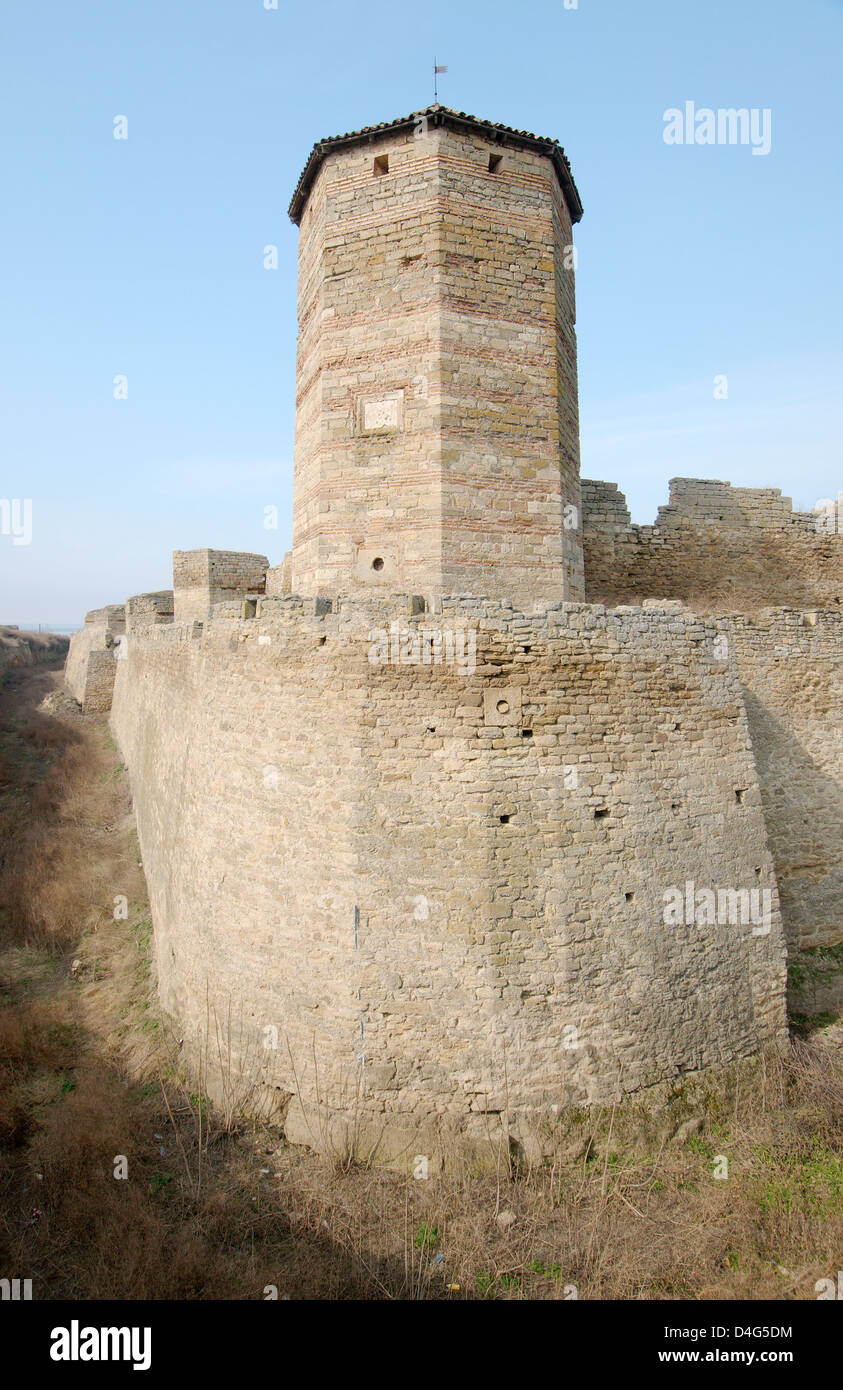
(718, 548)
(202, 578)
(148, 610)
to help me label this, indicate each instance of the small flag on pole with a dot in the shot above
(436, 71)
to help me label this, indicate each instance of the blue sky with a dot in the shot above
(144, 257)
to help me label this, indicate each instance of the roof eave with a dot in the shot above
(442, 115)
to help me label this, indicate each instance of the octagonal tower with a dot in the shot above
(437, 443)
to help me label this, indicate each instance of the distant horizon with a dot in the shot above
(64, 630)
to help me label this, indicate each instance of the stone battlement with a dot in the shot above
(717, 547)
(202, 578)
(148, 610)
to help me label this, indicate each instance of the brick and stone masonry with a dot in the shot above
(410, 809)
(437, 441)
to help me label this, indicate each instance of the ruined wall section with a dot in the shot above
(718, 548)
(91, 658)
(279, 578)
(791, 669)
(424, 875)
(148, 610)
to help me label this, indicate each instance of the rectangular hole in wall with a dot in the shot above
(495, 162)
(381, 165)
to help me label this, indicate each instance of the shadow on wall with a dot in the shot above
(711, 572)
(715, 547)
(803, 812)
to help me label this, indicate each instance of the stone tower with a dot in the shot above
(436, 395)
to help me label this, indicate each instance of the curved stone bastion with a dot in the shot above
(446, 867)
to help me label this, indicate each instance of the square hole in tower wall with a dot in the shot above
(495, 163)
(381, 165)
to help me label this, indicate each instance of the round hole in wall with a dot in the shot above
(502, 707)
(377, 563)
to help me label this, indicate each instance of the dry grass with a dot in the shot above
(216, 1208)
(61, 801)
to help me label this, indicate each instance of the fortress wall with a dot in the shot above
(719, 548)
(279, 578)
(438, 881)
(112, 617)
(791, 668)
(724, 549)
(146, 610)
(202, 578)
(604, 510)
(89, 669)
(241, 768)
(91, 658)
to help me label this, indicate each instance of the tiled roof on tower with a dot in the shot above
(437, 115)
